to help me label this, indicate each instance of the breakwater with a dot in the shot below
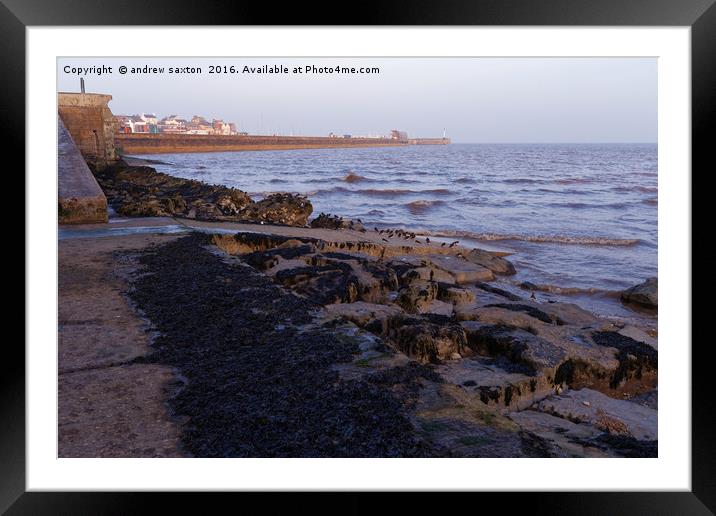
(136, 143)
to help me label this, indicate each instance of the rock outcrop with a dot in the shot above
(142, 191)
(476, 370)
(645, 294)
(328, 221)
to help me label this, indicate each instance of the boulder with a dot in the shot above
(491, 261)
(645, 294)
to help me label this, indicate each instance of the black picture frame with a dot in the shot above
(700, 15)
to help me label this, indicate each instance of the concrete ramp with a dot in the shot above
(80, 199)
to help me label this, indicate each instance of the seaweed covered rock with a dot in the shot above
(328, 221)
(144, 192)
(281, 208)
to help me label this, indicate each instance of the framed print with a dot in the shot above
(418, 253)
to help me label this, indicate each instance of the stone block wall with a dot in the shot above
(89, 121)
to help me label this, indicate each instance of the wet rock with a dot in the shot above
(491, 261)
(615, 417)
(645, 294)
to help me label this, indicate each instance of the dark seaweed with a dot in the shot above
(257, 386)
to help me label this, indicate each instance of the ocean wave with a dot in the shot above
(654, 201)
(418, 207)
(632, 188)
(574, 181)
(555, 289)
(390, 192)
(521, 180)
(554, 239)
(586, 205)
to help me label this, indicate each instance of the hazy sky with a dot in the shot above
(473, 99)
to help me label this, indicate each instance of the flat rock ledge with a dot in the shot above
(309, 347)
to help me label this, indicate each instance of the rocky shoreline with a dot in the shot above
(342, 341)
(141, 191)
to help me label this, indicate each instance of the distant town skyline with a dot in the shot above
(481, 100)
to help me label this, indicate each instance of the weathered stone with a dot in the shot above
(426, 273)
(529, 310)
(517, 345)
(565, 438)
(636, 359)
(427, 339)
(491, 261)
(610, 415)
(497, 381)
(439, 308)
(416, 297)
(646, 294)
(362, 313)
(461, 269)
(454, 294)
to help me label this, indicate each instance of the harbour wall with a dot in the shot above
(138, 143)
(89, 121)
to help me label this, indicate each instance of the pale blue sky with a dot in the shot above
(474, 99)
